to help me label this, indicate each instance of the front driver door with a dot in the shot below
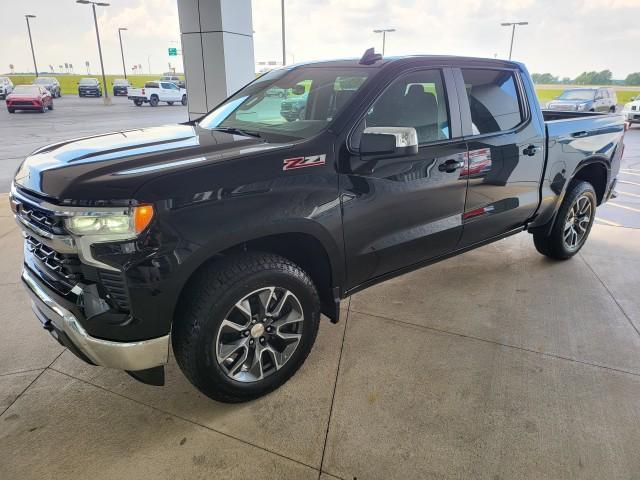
(401, 211)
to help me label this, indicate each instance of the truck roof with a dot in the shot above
(355, 62)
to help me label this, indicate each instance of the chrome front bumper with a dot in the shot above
(131, 356)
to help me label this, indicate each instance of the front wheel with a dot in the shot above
(572, 224)
(11, 110)
(246, 327)
(50, 106)
(184, 100)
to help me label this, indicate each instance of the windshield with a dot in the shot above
(293, 104)
(43, 81)
(88, 81)
(26, 90)
(580, 94)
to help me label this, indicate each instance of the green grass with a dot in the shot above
(547, 94)
(69, 83)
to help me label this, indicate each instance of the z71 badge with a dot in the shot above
(303, 162)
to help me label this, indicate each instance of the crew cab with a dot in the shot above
(155, 92)
(226, 237)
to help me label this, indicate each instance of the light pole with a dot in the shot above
(384, 31)
(107, 100)
(284, 48)
(513, 32)
(124, 68)
(27, 17)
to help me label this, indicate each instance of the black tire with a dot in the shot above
(612, 109)
(554, 245)
(138, 103)
(212, 296)
(184, 100)
(153, 101)
(50, 107)
(11, 110)
(169, 103)
(43, 109)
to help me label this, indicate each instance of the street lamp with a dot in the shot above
(122, 51)
(107, 100)
(384, 31)
(27, 17)
(513, 31)
(284, 48)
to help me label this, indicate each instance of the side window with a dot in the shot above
(493, 100)
(166, 86)
(415, 100)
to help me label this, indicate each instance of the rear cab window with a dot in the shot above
(494, 100)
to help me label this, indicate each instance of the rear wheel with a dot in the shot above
(613, 109)
(572, 224)
(50, 106)
(184, 100)
(138, 103)
(153, 101)
(169, 103)
(43, 109)
(246, 327)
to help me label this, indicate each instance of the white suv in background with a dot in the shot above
(6, 87)
(631, 110)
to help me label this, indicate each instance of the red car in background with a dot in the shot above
(29, 97)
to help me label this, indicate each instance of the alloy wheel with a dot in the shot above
(259, 335)
(577, 223)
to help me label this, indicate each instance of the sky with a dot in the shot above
(564, 37)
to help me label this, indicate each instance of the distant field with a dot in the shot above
(69, 83)
(549, 92)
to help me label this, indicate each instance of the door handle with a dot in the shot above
(450, 166)
(531, 150)
(580, 134)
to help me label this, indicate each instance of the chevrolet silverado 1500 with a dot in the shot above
(226, 237)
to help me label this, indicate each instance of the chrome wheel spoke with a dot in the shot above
(259, 334)
(577, 222)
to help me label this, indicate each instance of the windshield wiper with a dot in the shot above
(238, 131)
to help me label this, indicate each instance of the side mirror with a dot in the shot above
(389, 141)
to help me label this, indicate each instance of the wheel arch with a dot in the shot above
(595, 171)
(315, 255)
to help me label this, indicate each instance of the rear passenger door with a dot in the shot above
(505, 152)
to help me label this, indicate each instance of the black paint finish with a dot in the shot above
(355, 223)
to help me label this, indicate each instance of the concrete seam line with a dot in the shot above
(335, 387)
(21, 371)
(192, 422)
(506, 345)
(31, 383)
(610, 294)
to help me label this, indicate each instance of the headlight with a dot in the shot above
(581, 106)
(125, 223)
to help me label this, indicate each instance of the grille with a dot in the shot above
(114, 283)
(66, 266)
(43, 219)
(22, 102)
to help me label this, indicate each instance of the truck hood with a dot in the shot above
(570, 102)
(115, 165)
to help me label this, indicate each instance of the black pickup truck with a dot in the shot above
(226, 237)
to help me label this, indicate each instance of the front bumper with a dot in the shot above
(631, 116)
(66, 328)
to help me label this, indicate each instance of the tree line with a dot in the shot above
(586, 78)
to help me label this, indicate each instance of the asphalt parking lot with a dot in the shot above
(24, 131)
(496, 364)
